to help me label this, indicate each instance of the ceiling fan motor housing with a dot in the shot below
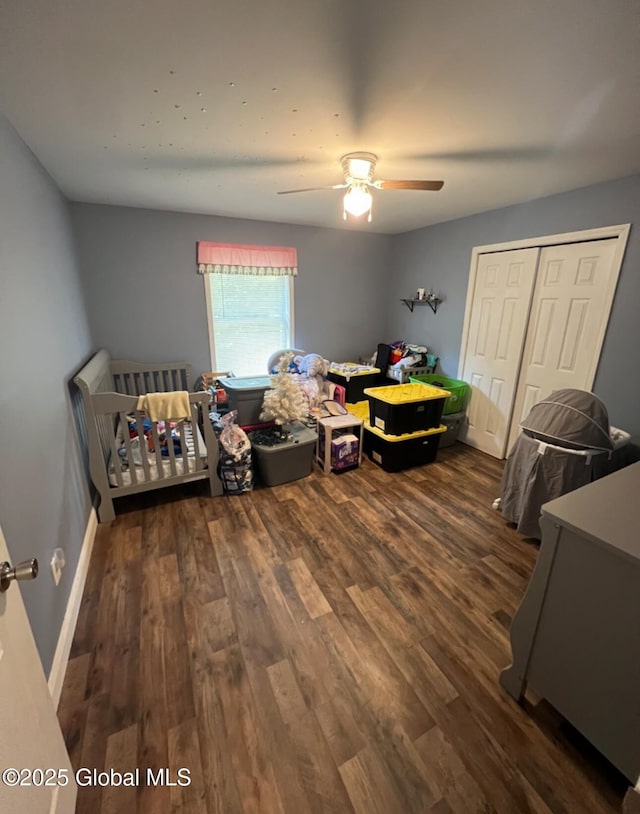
(359, 166)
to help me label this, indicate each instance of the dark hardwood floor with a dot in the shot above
(330, 645)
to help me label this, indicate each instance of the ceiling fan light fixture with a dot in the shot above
(357, 201)
(360, 168)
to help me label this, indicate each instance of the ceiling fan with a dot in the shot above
(358, 170)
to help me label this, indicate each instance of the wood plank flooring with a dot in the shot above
(330, 645)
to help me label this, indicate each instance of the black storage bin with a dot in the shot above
(395, 453)
(355, 383)
(405, 408)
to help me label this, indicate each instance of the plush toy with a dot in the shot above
(312, 364)
(274, 360)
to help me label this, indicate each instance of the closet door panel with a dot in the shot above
(499, 316)
(569, 314)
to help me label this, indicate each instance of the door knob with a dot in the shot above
(23, 570)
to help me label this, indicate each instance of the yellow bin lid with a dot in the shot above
(407, 436)
(406, 393)
(360, 409)
(351, 369)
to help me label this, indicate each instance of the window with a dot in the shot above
(249, 294)
(250, 317)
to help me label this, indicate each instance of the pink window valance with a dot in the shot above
(235, 258)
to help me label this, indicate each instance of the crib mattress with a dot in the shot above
(194, 463)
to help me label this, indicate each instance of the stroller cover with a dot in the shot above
(543, 463)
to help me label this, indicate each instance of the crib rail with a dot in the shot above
(136, 379)
(143, 462)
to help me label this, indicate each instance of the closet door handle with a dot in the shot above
(22, 571)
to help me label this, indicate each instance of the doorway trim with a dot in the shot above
(65, 639)
(620, 232)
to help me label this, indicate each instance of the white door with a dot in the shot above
(30, 738)
(500, 312)
(572, 298)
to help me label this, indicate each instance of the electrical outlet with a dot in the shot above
(57, 564)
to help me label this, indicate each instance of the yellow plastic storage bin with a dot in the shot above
(397, 452)
(360, 410)
(405, 408)
(354, 379)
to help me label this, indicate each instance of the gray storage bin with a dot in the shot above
(454, 423)
(289, 461)
(246, 394)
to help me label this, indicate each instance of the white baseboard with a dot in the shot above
(63, 648)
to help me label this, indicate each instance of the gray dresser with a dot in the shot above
(576, 636)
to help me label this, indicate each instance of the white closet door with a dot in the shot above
(572, 298)
(500, 312)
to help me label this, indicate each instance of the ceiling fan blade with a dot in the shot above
(432, 186)
(312, 189)
(487, 154)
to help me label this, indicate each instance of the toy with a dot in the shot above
(274, 359)
(312, 364)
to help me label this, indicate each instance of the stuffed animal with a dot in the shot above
(312, 364)
(274, 359)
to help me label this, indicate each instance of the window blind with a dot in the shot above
(251, 318)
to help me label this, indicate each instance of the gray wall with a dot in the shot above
(439, 256)
(44, 336)
(146, 301)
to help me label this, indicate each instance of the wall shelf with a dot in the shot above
(433, 303)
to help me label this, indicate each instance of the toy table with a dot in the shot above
(327, 426)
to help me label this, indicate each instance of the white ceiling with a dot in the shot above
(215, 106)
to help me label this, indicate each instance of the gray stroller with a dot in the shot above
(554, 454)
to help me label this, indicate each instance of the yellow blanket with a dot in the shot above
(166, 406)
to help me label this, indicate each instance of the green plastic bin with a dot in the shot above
(459, 398)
